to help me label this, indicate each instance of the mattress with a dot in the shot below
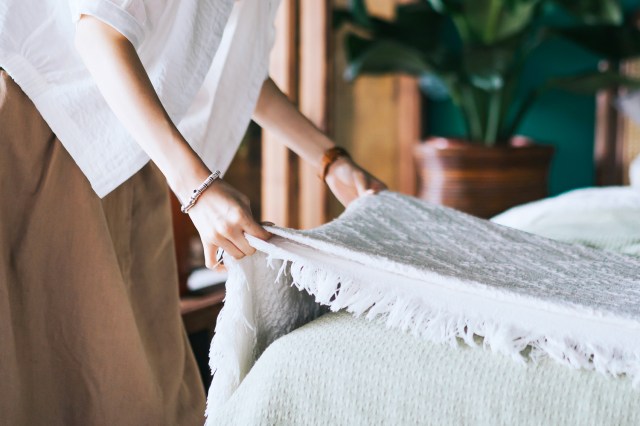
(341, 370)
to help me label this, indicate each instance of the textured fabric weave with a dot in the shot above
(443, 275)
(340, 370)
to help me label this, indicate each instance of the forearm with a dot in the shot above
(275, 113)
(123, 82)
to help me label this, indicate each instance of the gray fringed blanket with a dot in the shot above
(439, 274)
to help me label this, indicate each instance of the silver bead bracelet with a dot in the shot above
(199, 190)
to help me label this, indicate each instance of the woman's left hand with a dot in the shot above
(349, 181)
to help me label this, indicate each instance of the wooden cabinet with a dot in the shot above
(199, 313)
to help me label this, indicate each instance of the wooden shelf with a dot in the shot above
(199, 312)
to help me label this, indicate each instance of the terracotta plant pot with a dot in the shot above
(480, 180)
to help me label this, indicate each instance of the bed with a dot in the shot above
(388, 378)
(342, 370)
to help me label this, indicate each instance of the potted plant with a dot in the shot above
(475, 51)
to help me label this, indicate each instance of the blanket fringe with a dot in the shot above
(410, 314)
(244, 329)
(230, 355)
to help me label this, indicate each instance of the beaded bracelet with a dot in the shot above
(329, 157)
(199, 190)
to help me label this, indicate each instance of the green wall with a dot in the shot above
(561, 119)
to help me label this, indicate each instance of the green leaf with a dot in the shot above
(594, 11)
(489, 21)
(434, 87)
(359, 13)
(591, 82)
(415, 25)
(487, 66)
(609, 41)
(356, 46)
(340, 17)
(447, 6)
(490, 66)
(380, 57)
(418, 25)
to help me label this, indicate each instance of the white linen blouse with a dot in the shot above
(207, 60)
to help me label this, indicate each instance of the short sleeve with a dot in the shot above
(128, 17)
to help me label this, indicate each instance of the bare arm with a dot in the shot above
(277, 114)
(222, 214)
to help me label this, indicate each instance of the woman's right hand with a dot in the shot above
(222, 216)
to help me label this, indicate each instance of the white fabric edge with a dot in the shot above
(494, 302)
(240, 331)
(234, 341)
(412, 272)
(508, 323)
(114, 16)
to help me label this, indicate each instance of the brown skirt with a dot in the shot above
(90, 329)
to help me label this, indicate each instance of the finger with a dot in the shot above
(361, 183)
(238, 239)
(375, 186)
(379, 186)
(210, 255)
(230, 248)
(371, 188)
(252, 228)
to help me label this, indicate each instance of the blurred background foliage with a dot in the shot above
(475, 52)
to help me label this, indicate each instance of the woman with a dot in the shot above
(89, 320)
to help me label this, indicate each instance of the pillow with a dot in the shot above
(634, 172)
(606, 218)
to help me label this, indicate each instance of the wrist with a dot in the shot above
(313, 153)
(185, 176)
(330, 157)
(195, 195)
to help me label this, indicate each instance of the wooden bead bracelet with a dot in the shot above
(330, 156)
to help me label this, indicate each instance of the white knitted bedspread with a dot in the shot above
(441, 274)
